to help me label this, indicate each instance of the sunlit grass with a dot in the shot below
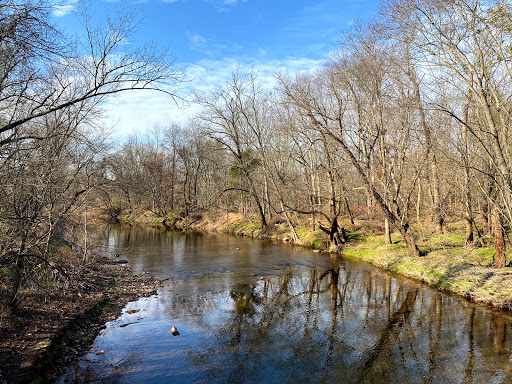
(446, 263)
(315, 239)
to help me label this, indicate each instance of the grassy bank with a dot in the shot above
(447, 263)
(44, 333)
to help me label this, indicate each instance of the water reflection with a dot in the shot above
(312, 318)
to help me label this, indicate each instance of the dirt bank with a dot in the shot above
(41, 337)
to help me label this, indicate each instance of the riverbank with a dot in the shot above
(447, 264)
(41, 336)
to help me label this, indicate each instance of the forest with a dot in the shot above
(407, 124)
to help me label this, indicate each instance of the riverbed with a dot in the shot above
(255, 312)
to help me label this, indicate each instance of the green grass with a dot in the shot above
(124, 218)
(315, 239)
(7, 272)
(244, 228)
(155, 222)
(173, 215)
(447, 265)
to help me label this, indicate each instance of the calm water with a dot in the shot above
(254, 312)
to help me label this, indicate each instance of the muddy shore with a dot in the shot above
(39, 339)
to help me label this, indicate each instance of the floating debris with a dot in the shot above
(174, 331)
(102, 352)
(127, 324)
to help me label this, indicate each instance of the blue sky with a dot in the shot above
(211, 37)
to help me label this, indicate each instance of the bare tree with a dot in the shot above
(323, 101)
(465, 42)
(43, 72)
(51, 93)
(226, 119)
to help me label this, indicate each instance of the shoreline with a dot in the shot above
(38, 344)
(40, 348)
(447, 265)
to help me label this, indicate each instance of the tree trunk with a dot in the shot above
(264, 224)
(254, 193)
(438, 209)
(387, 232)
(336, 234)
(401, 223)
(469, 229)
(409, 240)
(312, 200)
(499, 241)
(486, 218)
(332, 199)
(467, 178)
(418, 202)
(267, 198)
(349, 211)
(438, 216)
(295, 236)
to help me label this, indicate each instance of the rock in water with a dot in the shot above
(174, 331)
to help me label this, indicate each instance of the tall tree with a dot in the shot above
(226, 118)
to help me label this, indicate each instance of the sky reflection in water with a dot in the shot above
(312, 318)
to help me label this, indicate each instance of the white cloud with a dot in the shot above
(197, 42)
(64, 7)
(225, 5)
(138, 111)
(210, 47)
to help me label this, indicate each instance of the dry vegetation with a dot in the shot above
(55, 321)
(403, 132)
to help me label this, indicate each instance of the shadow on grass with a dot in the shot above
(354, 237)
(459, 273)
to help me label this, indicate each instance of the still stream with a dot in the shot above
(256, 312)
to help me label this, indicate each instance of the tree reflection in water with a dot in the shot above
(326, 326)
(321, 319)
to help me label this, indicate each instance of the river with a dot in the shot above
(256, 312)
